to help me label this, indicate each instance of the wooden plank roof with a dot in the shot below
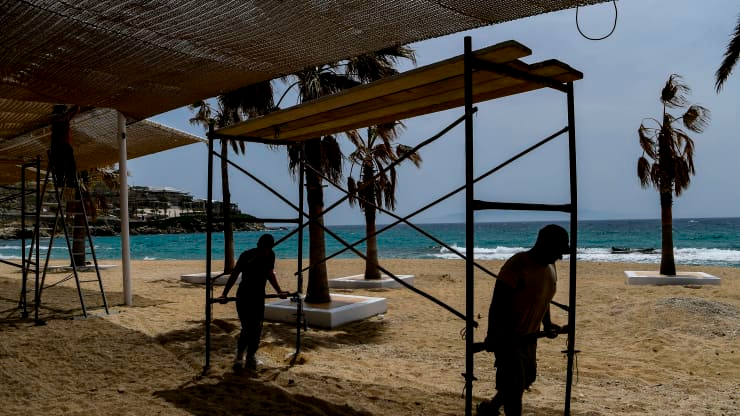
(420, 91)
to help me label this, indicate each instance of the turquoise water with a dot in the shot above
(712, 241)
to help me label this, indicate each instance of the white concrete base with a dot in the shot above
(341, 310)
(85, 268)
(200, 278)
(681, 278)
(358, 281)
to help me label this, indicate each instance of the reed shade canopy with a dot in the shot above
(143, 58)
(420, 91)
(94, 142)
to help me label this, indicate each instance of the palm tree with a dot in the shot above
(731, 56)
(106, 178)
(324, 153)
(373, 155)
(232, 107)
(671, 154)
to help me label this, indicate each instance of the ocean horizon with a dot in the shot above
(697, 241)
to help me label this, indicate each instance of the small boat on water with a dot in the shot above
(623, 250)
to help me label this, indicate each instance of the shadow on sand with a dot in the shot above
(239, 394)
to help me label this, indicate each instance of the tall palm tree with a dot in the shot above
(373, 155)
(232, 107)
(731, 56)
(671, 157)
(106, 178)
(324, 153)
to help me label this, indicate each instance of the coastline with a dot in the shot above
(660, 350)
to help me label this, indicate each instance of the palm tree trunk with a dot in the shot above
(371, 263)
(667, 262)
(228, 229)
(78, 237)
(317, 290)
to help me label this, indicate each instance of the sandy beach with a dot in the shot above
(657, 350)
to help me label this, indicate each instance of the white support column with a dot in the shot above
(123, 178)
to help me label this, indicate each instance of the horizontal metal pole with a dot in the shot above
(267, 296)
(290, 220)
(515, 206)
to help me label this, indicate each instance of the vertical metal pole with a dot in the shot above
(36, 232)
(123, 203)
(573, 245)
(469, 227)
(24, 264)
(299, 314)
(209, 231)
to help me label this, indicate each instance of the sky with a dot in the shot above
(623, 77)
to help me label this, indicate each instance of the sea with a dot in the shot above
(697, 241)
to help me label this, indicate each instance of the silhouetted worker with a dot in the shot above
(257, 266)
(520, 304)
(61, 154)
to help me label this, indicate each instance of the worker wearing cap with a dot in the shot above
(257, 267)
(520, 305)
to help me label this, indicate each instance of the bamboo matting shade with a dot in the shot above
(143, 58)
(95, 143)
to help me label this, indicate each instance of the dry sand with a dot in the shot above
(658, 350)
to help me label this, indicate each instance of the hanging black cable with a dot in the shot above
(614, 26)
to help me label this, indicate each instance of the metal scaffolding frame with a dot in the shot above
(27, 264)
(31, 263)
(471, 63)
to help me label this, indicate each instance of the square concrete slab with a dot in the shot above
(358, 281)
(681, 278)
(341, 310)
(84, 269)
(200, 278)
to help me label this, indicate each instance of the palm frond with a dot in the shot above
(355, 138)
(395, 53)
(238, 146)
(357, 156)
(383, 153)
(682, 176)
(331, 158)
(202, 115)
(655, 174)
(294, 158)
(316, 82)
(688, 152)
(643, 172)
(647, 143)
(681, 140)
(389, 131)
(731, 56)
(403, 150)
(377, 65)
(253, 100)
(674, 92)
(696, 118)
(351, 191)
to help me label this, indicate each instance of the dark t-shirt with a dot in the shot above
(531, 286)
(255, 269)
